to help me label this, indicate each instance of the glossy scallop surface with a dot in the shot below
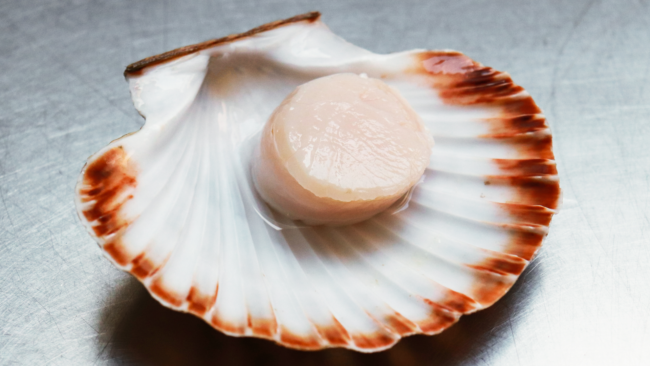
(339, 150)
(174, 205)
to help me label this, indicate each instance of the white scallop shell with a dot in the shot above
(173, 204)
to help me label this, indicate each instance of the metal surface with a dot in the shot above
(584, 299)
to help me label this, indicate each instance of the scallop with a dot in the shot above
(175, 203)
(340, 149)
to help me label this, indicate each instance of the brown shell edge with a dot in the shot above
(138, 67)
(461, 81)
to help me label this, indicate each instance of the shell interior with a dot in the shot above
(173, 203)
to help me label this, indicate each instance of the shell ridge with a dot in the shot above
(405, 233)
(373, 290)
(344, 254)
(483, 128)
(178, 251)
(367, 235)
(256, 233)
(505, 212)
(198, 303)
(212, 249)
(147, 205)
(227, 313)
(532, 191)
(164, 202)
(482, 167)
(249, 262)
(274, 259)
(318, 267)
(485, 282)
(287, 260)
(458, 171)
(403, 256)
(444, 308)
(327, 326)
(136, 265)
(273, 280)
(189, 248)
(522, 249)
(327, 259)
(520, 145)
(475, 255)
(178, 130)
(452, 209)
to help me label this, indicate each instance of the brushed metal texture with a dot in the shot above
(584, 300)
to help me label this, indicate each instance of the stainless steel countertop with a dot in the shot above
(585, 300)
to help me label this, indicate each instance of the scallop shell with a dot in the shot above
(173, 203)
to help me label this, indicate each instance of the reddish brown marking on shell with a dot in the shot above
(526, 167)
(107, 169)
(460, 80)
(136, 68)
(501, 264)
(265, 328)
(528, 214)
(227, 327)
(380, 339)
(520, 107)
(454, 301)
(115, 248)
(522, 250)
(533, 145)
(199, 303)
(446, 63)
(543, 192)
(157, 287)
(489, 287)
(334, 334)
(489, 92)
(539, 191)
(107, 181)
(525, 245)
(399, 324)
(438, 320)
(516, 124)
(143, 267)
(306, 342)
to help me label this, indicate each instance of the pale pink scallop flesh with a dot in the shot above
(339, 150)
(173, 203)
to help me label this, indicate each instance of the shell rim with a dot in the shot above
(138, 67)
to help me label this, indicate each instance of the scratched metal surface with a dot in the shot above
(584, 300)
